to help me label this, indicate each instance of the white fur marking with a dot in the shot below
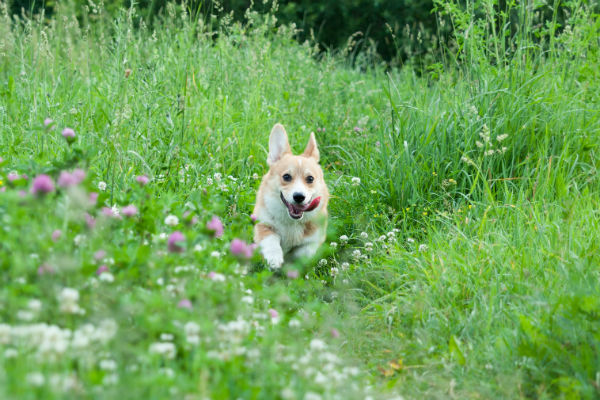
(271, 250)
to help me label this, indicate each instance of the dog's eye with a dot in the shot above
(287, 177)
(310, 179)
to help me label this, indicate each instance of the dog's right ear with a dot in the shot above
(278, 144)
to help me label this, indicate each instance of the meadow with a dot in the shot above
(462, 258)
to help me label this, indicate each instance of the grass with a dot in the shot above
(477, 272)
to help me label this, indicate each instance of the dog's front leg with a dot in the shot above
(269, 243)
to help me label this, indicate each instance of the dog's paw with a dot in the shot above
(274, 259)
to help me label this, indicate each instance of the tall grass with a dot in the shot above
(470, 267)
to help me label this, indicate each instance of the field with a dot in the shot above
(462, 258)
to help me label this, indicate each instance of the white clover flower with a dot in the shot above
(165, 349)
(381, 238)
(333, 245)
(68, 299)
(364, 235)
(209, 181)
(248, 299)
(334, 271)
(217, 176)
(108, 365)
(410, 240)
(171, 220)
(345, 266)
(106, 277)
(344, 239)
(10, 353)
(35, 379)
(423, 247)
(369, 246)
(356, 253)
(166, 337)
(215, 254)
(198, 248)
(317, 345)
(78, 239)
(102, 186)
(294, 323)
(232, 178)
(322, 262)
(355, 181)
(160, 281)
(255, 176)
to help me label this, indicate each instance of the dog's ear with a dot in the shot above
(311, 149)
(278, 144)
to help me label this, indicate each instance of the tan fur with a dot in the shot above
(296, 237)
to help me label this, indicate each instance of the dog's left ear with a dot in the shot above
(311, 149)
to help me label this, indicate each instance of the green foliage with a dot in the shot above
(464, 229)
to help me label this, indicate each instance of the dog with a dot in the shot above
(291, 203)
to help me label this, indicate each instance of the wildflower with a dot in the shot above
(356, 254)
(274, 315)
(90, 221)
(255, 176)
(253, 217)
(381, 238)
(345, 266)
(333, 245)
(99, 255)
(215, 276)
(67, 179)
(102, 186)
(248, 299)
(292, 274)
(215, 225)
(355, 181)
(317, 345)
(240, 248)
(35, 379)
(56, 235)
(185, 303)
(369, 246)
(322, 262)
(500, 138)
(215, 254)
(358, 129)
(78, 239)
(48, 122)
(344, 239)
(192, 332)
(142, 179)
(410, 240)
(334, 271)
(502, 150)
(129, 211)
(109, 212)
(101, 269)
(108, 365)
(42, 184)
(479, 144)
(364, 235)
(107, 277)
(166, 349)
(218, 176)
(334, 333)
(422, 247)
(485, 133)
(68, 300)
(68, 134)
(174, 240)
(489, 152)
(171, 220)
(93, 198)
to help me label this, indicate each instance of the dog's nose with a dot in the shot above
(299, 197)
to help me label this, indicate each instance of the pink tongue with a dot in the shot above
(313, 204)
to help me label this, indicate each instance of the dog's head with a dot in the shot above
(296, 180)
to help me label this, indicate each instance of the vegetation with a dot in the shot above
(462, 259)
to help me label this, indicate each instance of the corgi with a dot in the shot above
(291, 203)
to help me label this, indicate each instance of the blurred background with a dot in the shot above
(388, 31)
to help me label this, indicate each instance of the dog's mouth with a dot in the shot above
(296, 211)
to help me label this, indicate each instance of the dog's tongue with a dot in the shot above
(295, 209)
(313, 204)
